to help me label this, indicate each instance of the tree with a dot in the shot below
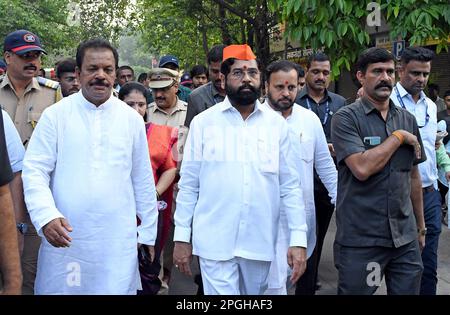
(62, 25)
(187, 28)
(130, 53)
(258, 20)
(108, 19)
(45, 18)
(340, 26)
(179, 28)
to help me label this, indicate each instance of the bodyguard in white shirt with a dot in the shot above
(237, 173)
(311, 151)
(408, 94)
(87, 175)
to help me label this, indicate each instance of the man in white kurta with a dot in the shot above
(87, 168)
(237, 174)
(310, 150)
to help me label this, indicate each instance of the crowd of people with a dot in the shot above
(107, 183)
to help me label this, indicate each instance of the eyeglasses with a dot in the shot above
(239, 73)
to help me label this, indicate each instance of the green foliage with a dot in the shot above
(131, 53)
(421, 21)
(108, 19)
(189, 28)
(339, 26)
(45, 18)
(184, 28)
(166, 29)
(142, 28)
(49, 19)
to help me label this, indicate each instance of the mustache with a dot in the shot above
(285, 98)
(319, 81)
(33, 67)
(100, 83)
(384, 84)
(160, 98)
(247, 86)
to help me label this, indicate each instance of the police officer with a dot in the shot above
(24, 98)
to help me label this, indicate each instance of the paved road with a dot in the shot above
(328, 273)
(183, 285)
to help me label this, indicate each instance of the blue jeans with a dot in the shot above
(432, 213)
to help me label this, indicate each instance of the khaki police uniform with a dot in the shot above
(161, 78)
(25, 111)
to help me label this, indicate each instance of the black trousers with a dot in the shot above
(443, 190)
(306, 285)
(361, 269)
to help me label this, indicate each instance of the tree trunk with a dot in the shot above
(226, 38)
(242, 23)
(204, 39)
(251, 34)
(262, 34)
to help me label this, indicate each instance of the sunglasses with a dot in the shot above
(29, 56)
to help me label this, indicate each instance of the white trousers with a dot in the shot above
(279, 269)
(237, 276)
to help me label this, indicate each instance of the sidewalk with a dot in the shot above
(328, 273)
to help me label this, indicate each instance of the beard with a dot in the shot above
(243, 98)
(279, 105)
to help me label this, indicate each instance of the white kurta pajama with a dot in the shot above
(91, 166)
(311, 152)
(235, 177)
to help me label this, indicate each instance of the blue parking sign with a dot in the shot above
(398, 48)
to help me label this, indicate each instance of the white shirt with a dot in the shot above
(16, 151)
(428, 169)
(91, 166)
(310, 151)
(235, 177)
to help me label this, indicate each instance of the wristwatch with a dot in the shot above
(22, 227)
(422, 231)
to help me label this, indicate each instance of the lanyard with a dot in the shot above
(400, 100)
(327, 111)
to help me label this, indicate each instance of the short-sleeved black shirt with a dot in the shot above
(378, 211)
(6, 174)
